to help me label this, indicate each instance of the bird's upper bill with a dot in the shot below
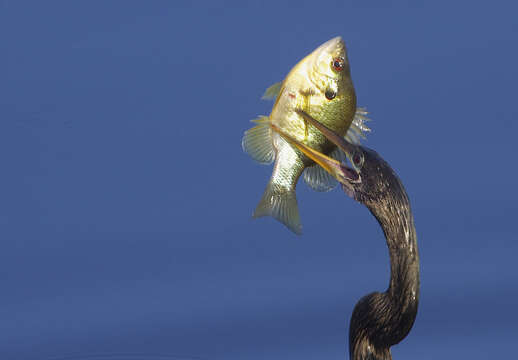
(346, 175)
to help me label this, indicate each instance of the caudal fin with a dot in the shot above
(280, 204)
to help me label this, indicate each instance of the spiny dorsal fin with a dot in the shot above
(272, 92)
(358, 127)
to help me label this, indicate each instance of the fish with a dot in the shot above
(319, 85)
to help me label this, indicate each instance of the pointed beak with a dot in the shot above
(339, 171)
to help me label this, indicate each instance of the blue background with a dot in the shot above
(126, 199)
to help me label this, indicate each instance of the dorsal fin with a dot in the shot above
(358, 128)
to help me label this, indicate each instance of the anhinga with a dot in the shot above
(379, 320)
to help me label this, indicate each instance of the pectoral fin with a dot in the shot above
(257, 141)
(272, 92)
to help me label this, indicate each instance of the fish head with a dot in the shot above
(329, 66)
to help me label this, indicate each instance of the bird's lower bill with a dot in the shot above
(344, 174)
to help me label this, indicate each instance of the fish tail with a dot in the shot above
(281, 204)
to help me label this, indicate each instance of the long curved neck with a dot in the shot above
(381, 320)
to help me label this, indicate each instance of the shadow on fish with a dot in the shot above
(321, 86)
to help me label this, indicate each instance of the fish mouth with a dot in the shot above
(333, 46)
(346, 175)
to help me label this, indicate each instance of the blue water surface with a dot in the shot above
(126, 199)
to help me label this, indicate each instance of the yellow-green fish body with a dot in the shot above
(321, 85)
(305, 88)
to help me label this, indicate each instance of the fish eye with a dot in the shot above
(338, 64)
(330, 94)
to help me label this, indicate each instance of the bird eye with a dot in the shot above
(358, 160)
(338, 64)
(330, 94)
